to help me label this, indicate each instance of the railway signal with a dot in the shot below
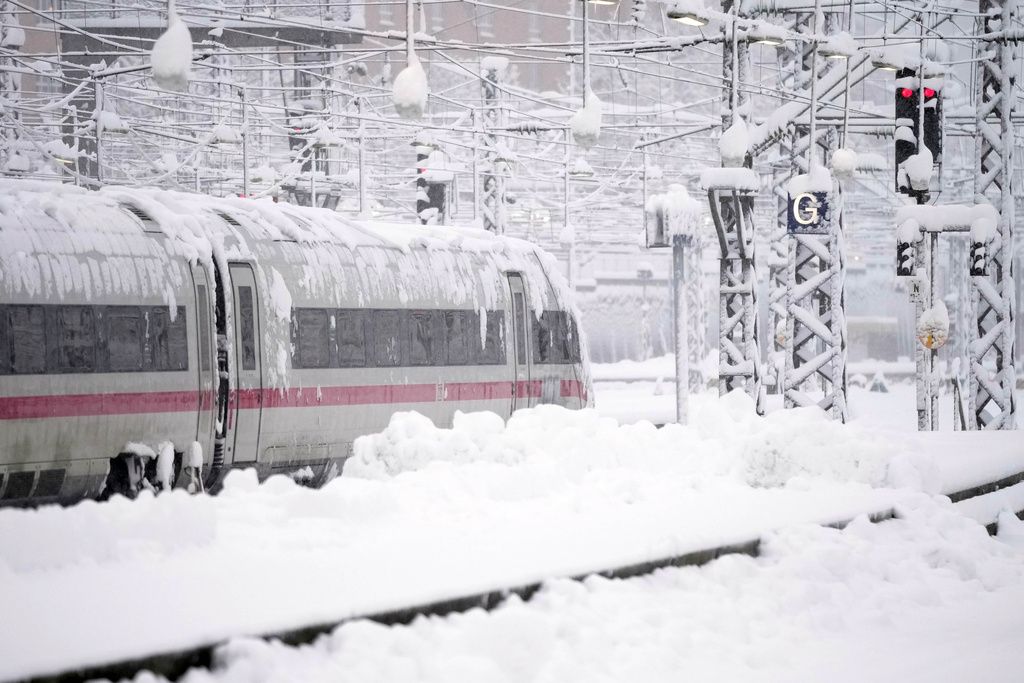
(910, 118)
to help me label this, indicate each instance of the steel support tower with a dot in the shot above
(739, 353)
(492, 198)
(992, 376)
(815, 338)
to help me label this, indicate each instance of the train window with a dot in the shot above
(5, 346)
(426, 338)
(248, 328)
(351, 339)
(203, 303)
(572, 340)
(313, 338)
(167, 339)
(387, 338)
(76, 339)
(519, 305)
(493, 352)
(124, 338)
(551, 339)
(458, 335)
(25, 350)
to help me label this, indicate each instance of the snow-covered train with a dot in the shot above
(149, 334)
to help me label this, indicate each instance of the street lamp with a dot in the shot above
(688, 13)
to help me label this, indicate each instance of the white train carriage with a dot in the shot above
(261, 335)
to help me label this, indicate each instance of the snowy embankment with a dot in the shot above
(929, 597)
(424, 514)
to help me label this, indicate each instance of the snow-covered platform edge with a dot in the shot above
(173, 665)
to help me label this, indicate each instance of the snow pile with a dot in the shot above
(729, 179)
(933, 326)
(728, 439)
(844, 162)
(839, 45)
(223, 133)
(909, 592)
(871, 161)
(17, 163)
(495, 65)
(581, 168)
(92, 533)
(734, 144)
(681, 213)
(108, 122)
(818, 180)
(980, 219)
(172, 54)
(918, 168)
(425, 514)
(909, 231)
(586, 123)
(410, 90)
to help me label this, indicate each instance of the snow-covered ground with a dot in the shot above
(631, 391)
(926, 598)
(423, 514)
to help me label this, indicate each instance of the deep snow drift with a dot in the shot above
(424, 513)
(929, 597)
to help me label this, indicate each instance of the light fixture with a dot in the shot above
(883, 64)
(838, 46)
(425, 141)
(688, 13)
(687, 18)
(831, 52)
(601, 2)
(763, 33)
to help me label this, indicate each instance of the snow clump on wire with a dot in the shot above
(844, 162)
(410, 90)
(172, 54)
(586, 123)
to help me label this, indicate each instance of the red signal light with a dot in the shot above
(929, 93)
(907, 93)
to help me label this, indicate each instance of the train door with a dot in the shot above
(248, 366)
(520, 328)
(206, 353)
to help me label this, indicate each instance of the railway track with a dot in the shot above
(173, 665)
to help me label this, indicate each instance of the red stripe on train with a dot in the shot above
(87, 405)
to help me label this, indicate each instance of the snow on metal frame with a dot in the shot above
(63, 243)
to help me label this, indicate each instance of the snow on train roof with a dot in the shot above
(265, 219)
(59, 242)
(49, 220)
